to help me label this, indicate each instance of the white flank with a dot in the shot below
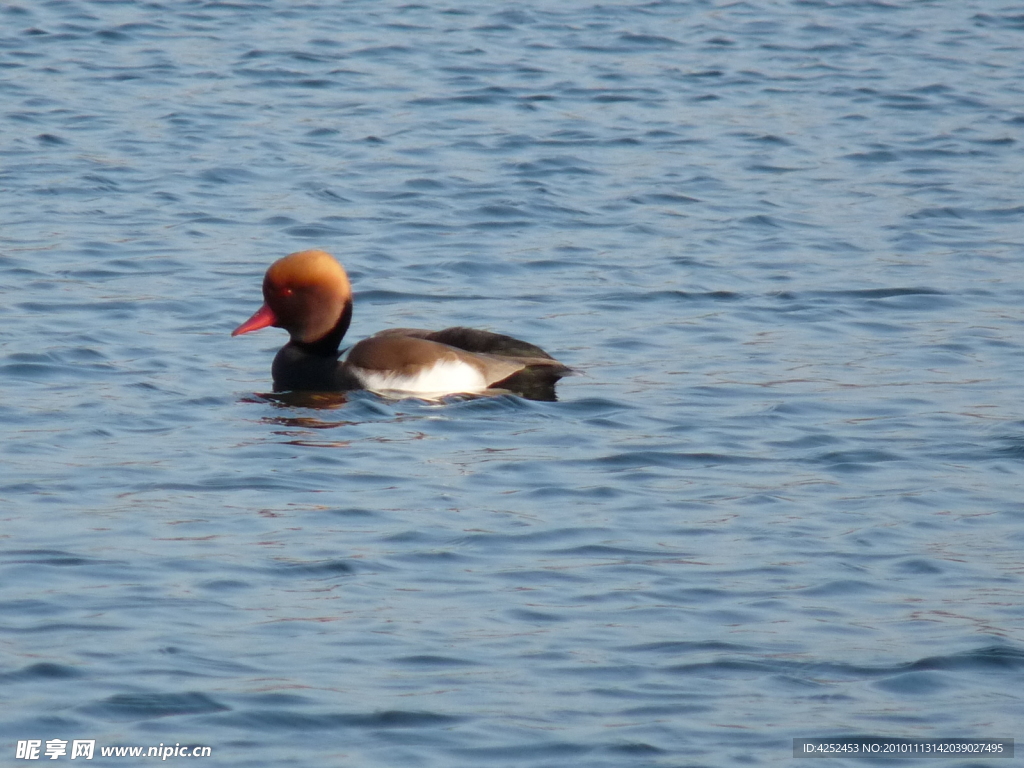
(447, 377)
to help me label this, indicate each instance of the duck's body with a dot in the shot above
(309, 295)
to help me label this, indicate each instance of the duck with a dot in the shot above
(308, 294)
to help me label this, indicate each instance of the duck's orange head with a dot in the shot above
(306, 293)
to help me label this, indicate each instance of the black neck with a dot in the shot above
(327, 345)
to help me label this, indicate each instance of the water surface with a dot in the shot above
(782, 242)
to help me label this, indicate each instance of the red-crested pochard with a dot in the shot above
(309, 295)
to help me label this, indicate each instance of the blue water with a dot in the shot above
(782, 242)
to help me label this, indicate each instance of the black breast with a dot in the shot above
(297, 370)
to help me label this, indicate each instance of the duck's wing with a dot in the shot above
(487, 343)
(455, 360)
(473, 340)
(402, 362)
(394, 362)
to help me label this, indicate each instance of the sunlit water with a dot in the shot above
(782, 241)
